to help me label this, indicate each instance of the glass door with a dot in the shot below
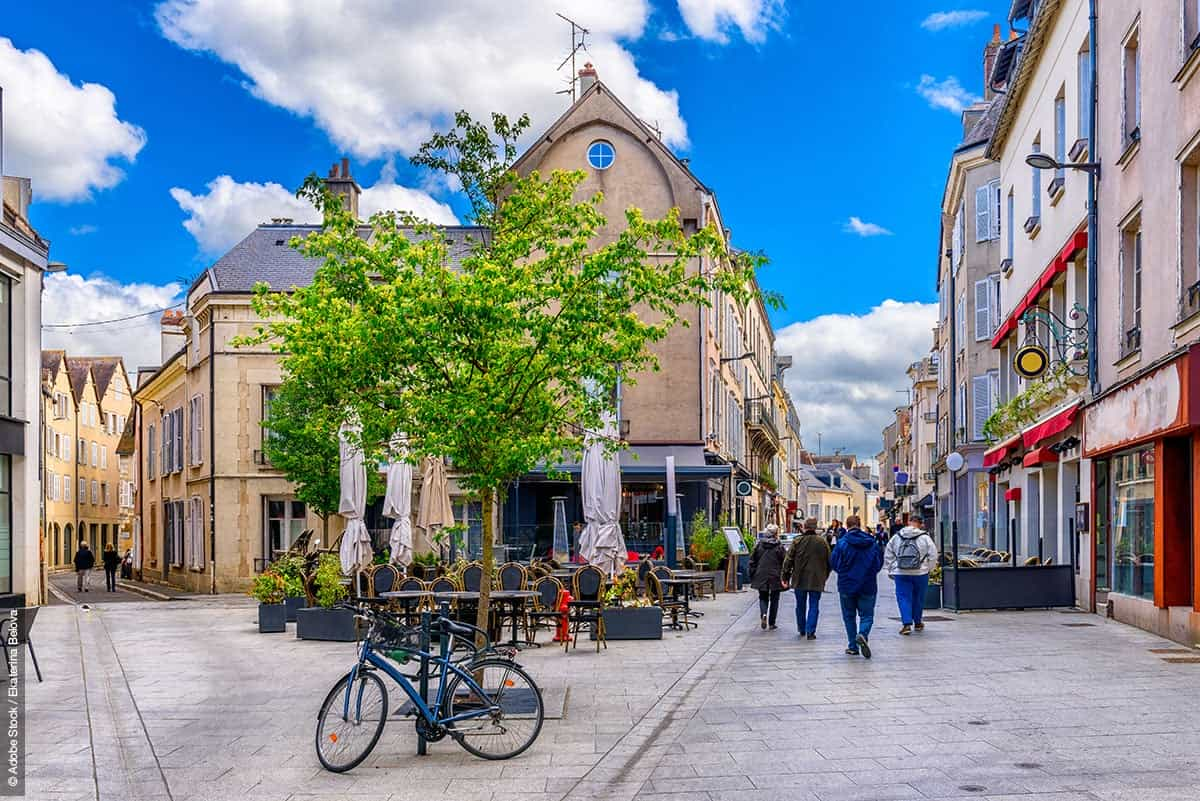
(1101, 468)
(285, 519)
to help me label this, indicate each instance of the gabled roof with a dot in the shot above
(127, 444)
(1026, 59)
(51, 361)
(78, 371)
(265, 256)
(103, 370)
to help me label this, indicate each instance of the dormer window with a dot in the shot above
(601, 155)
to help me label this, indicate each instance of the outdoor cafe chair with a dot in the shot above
(587, 604)
(545, 607)
(512, 576)
(671, 606)
(472, 577)
(411, 584)
(383, 578)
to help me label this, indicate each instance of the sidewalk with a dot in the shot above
(1033, 706)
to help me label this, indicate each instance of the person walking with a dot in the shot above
(909, 556)
(111, 560)
(857, 559)
(805, 570)
(766, 575)
(833, 532)
(127, 565)
(85, 560)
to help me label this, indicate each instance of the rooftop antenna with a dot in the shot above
(578, 42)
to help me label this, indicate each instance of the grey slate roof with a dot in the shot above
(265, 255)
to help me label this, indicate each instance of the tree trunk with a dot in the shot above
(325, 529)
(488, 560)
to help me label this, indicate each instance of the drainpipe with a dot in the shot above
(1093, 279)
(212, 446)
(952, 434)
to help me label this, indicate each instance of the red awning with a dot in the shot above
(1057, 266)
(1013, 494)
(1039, 456)
(998, 453)
(1048, 428)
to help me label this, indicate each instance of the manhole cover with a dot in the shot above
(1078, 625)
(1028, 765)
(972, 788)
(977, 723)
(1182, 660)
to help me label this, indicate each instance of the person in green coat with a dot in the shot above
(805, 570)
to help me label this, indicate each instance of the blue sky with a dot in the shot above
(800, 118)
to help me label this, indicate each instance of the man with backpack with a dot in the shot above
(909, 556)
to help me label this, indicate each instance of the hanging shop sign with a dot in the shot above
(1050, 340)
(1031, 361)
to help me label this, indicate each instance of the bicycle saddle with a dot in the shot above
(457, 629)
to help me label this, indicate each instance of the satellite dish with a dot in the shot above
(954, 461)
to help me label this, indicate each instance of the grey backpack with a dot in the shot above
(908, 555)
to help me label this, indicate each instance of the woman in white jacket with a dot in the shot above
(909, 556)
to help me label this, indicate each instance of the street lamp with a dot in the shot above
(746, 355)
(1044, 161)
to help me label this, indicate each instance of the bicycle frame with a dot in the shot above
(367, 655)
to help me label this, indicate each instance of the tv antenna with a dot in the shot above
(578, 42)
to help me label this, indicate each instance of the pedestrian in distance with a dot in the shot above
(85, 560)
(909, 556)
(127, 565)
(805, 570)
(832, 532)
(111, 560)
(857, 559)
(766, 575)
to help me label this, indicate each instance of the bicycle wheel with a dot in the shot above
(344, 740)
(512, 726)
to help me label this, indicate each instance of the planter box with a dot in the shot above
(633, 623)
(272, 618)
(933, 597)
(293, 604)
(317, 623)
(1033, 587)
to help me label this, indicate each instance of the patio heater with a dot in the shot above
(561, 549)
(669, 547)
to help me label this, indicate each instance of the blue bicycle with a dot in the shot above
(484, 700)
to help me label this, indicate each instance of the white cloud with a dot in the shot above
(71, 298)
(64, 136)
(848, 368)
(941, 20)
(82, 230)
(229, 210)
(948, 94)
(379, 77)
(713, 20)
(855, 225)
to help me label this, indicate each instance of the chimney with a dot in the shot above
(989, 62)
(173, 337)
(341, 183)
(587, 78)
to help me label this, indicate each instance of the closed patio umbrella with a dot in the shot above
(434, 511)
(397, 504)
(602, 543)
(356, 548)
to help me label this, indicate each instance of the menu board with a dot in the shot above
(737, 545)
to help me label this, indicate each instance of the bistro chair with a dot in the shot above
(545, 607)
(472, 577)
(1049, 561)
(512, 576)
(411, 584)
(587, 605)
(383, 579)
(671, 606)
(24, 623)
(442, 584)
(995, 557)
(1032, 561)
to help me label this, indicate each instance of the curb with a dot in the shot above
(145, 593)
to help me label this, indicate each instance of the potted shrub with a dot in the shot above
(324, 622)
(627, 616)
(268, 590)
(424, 565)
(291, 569)
(933, 592)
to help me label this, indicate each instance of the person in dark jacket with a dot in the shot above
(85, 560)
(805, 570)
(857, 560)
(112, 560)
(766, 575)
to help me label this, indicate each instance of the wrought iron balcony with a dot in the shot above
(760, 421)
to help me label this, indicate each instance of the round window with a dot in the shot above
(601, 155)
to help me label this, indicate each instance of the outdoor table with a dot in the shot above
(515, 599)
(562, 573)
(686, 584)
(406, 598)
(694, 577)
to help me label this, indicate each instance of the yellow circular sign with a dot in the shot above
(1031, 361)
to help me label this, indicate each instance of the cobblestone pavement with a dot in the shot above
(186, 701)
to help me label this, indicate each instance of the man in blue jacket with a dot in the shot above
(857, 560)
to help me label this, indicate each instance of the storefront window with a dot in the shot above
(643, 510)
(982, 496)
(1132, 491)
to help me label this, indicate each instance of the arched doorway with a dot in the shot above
(83, 532)
(55, 544)
(68, 542)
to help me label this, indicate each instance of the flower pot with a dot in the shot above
(318, 623)
(272, 618)
(293, 604)
(933, 596)
(633, 623)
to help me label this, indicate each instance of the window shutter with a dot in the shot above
(994, 189)
(166, 444)
(961, 324)
(983, 312)
(956, 242)
(983, 216)
(151, 454)
(981, 401)
(179, 438)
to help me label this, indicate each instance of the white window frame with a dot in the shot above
(177, 427)
(983, 311)
(196, 431)
(196, 544)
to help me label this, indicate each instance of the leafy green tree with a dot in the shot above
(504, 356)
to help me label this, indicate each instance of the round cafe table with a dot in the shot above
(516, 600)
